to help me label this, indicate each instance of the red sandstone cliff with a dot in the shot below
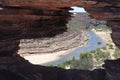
(25, 19)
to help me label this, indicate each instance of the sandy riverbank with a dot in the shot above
(104, 35)
(36, 52)
(49, 57)
(107, 38)
(45, 58)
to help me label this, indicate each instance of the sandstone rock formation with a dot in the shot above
(75, 36)
(25, 19)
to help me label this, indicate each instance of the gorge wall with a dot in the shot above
(26, 19)
(75, 36)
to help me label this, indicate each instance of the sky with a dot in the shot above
(77, 9)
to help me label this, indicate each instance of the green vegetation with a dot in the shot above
(110, 46)
(102, 28)
(99, 43)
(92, 59)
(87, 61)
(117, 53)
(104, 48)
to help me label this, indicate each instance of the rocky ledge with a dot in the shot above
(26, 19)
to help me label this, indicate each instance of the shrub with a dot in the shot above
(99, 43)
(117, 53)
(110, 46)
(87, 60)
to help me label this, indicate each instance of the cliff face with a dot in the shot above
(46, 18)
(75, 36)
(25, 19)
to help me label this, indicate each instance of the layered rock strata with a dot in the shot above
(75, 36)
(25, 19)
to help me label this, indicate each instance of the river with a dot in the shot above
(91, 45)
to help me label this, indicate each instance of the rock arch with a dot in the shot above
(21, 19)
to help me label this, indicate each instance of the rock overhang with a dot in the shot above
(21, 19)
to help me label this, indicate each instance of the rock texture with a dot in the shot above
(26, 19)
(17, 68)
(115, 25)
(75, 36)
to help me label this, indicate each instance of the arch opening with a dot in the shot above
(77, 9)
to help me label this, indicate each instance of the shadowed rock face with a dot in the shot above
(113, 69)
(115, 26)
(7, 75)
(47, 18)
(25, 19)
